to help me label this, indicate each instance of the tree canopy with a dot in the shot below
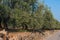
(26, 14)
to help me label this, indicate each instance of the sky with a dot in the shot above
(55, 7)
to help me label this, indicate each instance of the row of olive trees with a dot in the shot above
(26, 14)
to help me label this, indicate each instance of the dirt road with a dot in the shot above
(55, 36)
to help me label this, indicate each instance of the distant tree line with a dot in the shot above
(26, 14)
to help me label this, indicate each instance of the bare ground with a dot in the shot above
(30, 35)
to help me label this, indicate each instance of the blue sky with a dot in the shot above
(55, 7)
